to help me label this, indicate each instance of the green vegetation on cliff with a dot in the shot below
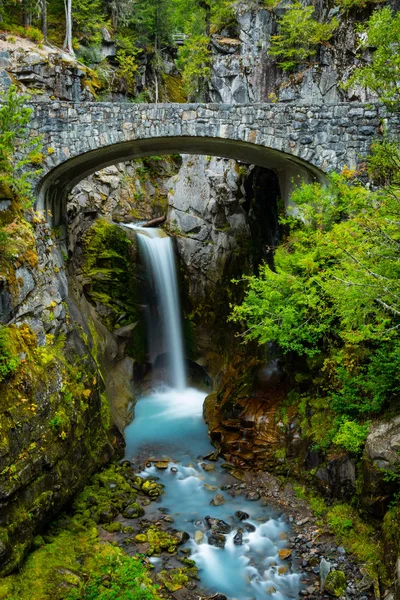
(331, 302)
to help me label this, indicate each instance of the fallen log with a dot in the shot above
(155, 222)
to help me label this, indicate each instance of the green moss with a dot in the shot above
(9, 356)
(110, 270)
(75, 564)
(158, 540)
(173, 580)
(173, 90)
(336, 583)
(391, 533)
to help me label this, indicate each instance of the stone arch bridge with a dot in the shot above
(297, 141)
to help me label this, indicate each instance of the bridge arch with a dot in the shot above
(54, 188)
(296, 141)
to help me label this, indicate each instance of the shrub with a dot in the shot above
(299, 36)
(351, 436)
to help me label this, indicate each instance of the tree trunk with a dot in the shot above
(155, 222)
(26, 14)
(68, 27)
(207, 7)
(44, 18)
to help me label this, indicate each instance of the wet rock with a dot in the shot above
(161, 465)
(210, 488)
(241, 515)
(181, 536)
(238, 539)
(217, 539)
(213, 456)
(324, 570)
(207, 467)
(174, 470)
(284, 553)
(217, 500)
(249, 527)
(336, 583)
(198, 536)
(107, 514)
(218, 525)
(168, 519)
(133, 511)
(253, 496)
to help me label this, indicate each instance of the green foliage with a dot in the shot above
(111, 274)
(351, 436)
(128, 66)
(382, 73)
(128, 580)
(271, 4)
(350, 4)
(88, 18)
(334, 294)
(19, 153)
(9, 359)
(194, 61)
(299, 36)
(222, 16)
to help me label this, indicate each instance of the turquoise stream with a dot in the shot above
(169, 423)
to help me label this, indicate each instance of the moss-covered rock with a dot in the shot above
(335, 583)
(75, 564)
(53, 435)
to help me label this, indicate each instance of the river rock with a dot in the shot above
(181, 536)
(208, 467)
(324, 570)
(217, 500)
(217, 539)
(253, 496)
(238, 539)
(133, 511)
(218, 525)
(241, 515)
(249, 527)
(198, 536)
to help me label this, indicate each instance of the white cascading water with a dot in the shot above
(169, 425)
(158, 253)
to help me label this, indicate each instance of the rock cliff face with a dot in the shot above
(43, 72)
(243, 72)
(224, 217)
(54, 417)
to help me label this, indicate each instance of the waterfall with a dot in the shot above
(158, 253)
